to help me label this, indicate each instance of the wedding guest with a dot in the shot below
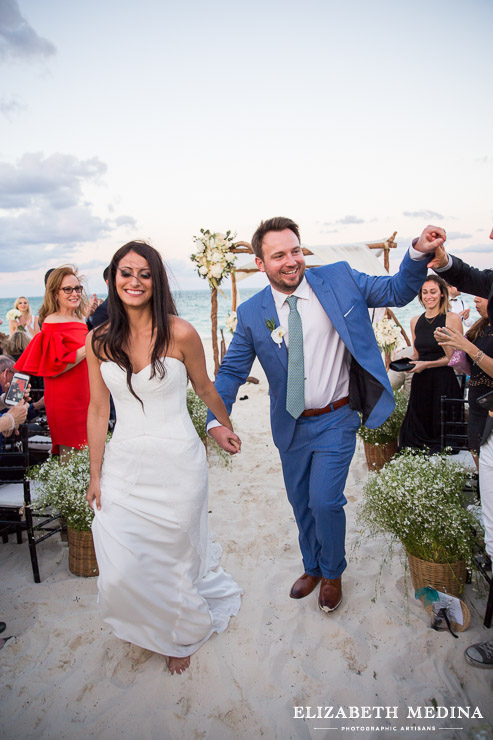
(457, 305)
(47, 275)
(432, 378)
(17, 344)
(100, 315)
(91, 306)
(477, 344)
(11, 419)
(10, 416)
(156, 586)
(313, 337)
(58, 354)
(26, 321)
(476, 282)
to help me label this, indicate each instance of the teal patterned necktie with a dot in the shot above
(295, 396)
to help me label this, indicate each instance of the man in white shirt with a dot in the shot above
(457, 305)
(313, 337)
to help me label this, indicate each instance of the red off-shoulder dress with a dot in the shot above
(66, 395)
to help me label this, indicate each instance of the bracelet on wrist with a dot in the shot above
(478, 357)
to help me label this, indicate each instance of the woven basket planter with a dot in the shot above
(448, 578)
(378, 455)
(466, 617)
(81, 555)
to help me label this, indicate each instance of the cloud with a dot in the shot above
(44, 216)
(344, 221)
(350, 220)
(17, 37)
(10, 107)
(478, 248)
(126, 221)
(55, 180)
(423, 214)
(457, 235)
(484, 160)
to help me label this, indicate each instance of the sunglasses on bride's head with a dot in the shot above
(71, 289)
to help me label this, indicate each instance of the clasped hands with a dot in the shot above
(432, 240)
(226, 439)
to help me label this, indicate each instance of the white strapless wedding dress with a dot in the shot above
(157, 587)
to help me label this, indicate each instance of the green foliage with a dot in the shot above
(419, 500)
(198, 414)
(389, 430)
(62, 487)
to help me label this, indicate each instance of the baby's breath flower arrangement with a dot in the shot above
(389, 430)
(63, 488)
(198, 414)
(212, 255)
(418, 499)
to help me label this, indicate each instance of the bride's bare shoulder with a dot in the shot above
(181, 329)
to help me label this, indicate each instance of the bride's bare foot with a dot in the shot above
(178, 665)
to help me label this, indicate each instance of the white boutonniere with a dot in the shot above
(276, 332)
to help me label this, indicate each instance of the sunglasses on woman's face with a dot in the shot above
(69, 290)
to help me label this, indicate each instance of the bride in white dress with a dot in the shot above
(157, 587)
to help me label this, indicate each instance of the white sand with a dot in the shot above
(66, 676)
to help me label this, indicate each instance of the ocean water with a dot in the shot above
(195, 307)
(192, 305)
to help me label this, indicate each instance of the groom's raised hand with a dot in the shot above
(433, 237)
(226, 439)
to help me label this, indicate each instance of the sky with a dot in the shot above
(151, 120)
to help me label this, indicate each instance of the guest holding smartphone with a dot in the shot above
(478, 346)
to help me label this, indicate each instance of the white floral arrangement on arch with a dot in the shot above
(213, 255)
(231, 322)
(388, 335)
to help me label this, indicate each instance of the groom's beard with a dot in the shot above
(284, 283)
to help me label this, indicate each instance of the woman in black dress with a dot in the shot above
(431, 376)
(478, 345)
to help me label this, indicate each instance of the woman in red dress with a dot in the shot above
(58, 354)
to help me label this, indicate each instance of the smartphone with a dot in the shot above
(486, 401)
(18, 387)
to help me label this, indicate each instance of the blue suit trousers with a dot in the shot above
(315, 468)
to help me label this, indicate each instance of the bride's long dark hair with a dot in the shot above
(110, 339)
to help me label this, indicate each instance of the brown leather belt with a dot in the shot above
(327, 409)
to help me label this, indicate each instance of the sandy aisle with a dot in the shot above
(66, 676)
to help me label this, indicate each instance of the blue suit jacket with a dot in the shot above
(346, 295)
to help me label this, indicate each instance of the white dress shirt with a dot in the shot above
(325, 355)
(456, 306)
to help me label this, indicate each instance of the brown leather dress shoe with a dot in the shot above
(303, 586)
(330, 594)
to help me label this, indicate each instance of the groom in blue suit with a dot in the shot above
(312, 334)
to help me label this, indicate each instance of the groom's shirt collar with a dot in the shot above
(302, 291)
